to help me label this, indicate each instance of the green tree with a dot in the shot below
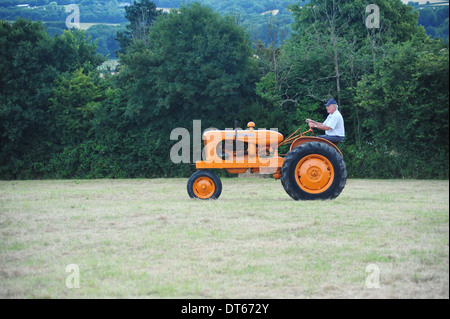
(406, 101)
(195, 64)
(74, 98)
(141, 16)
(330, 49)
(333, 37)
(89, 141)
(106, 39)
(30, 62)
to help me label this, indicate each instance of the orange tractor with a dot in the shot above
(313, 168)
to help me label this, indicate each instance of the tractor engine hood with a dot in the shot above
(249, 136)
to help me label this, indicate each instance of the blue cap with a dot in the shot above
(331, 102)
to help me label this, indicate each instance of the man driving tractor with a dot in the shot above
(312, 169)
(333, 125)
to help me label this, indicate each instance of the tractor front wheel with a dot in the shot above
(312, 171)
(204, 185)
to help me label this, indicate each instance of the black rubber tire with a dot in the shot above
(213, 177)
(288, 171)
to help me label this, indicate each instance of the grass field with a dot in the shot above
(147, 239)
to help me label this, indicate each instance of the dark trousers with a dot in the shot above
(333, 138)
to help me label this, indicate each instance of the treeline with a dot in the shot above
(435, 21)
(259, 17)
(231, 6)
(60, 119)
(248, 13)
(254, 15)
(91, 11)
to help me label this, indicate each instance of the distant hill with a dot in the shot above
(112, 11)
(252, 14)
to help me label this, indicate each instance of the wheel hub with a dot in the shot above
(314, 173)
(204, 187)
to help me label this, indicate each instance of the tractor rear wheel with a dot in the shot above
(204, 185)
(313, 171)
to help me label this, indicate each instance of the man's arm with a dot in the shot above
(315, 124)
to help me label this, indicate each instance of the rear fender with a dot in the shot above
(307, 139)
